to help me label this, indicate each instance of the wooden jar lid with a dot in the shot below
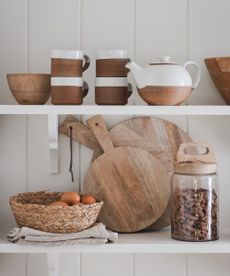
(195, 163)
(192, 168)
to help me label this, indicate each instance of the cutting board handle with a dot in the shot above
(82, 134)
(100, 131)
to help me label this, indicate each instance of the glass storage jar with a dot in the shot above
(195, 194)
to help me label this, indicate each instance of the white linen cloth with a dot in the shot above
(97, 234)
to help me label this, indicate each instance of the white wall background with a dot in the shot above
(29, 29)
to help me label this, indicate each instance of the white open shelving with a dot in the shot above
(114, 110)
(150, 242)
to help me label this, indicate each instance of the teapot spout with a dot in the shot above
(138, 73)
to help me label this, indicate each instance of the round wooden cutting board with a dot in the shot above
(132, 183)
(157, 136)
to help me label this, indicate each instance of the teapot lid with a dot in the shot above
(163, 61)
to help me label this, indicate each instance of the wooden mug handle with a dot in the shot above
(87, 63)
(207, 157)
(85, 89)
(97, 126)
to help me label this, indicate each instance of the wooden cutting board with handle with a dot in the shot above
(132, 183)
(157, 136)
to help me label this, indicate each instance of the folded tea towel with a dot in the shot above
(97, 234)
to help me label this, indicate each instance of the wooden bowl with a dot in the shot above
(30, 88)
(164, 95)
(219, 70)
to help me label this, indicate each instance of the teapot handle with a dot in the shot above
(196, 79)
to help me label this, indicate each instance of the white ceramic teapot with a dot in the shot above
(164, 82)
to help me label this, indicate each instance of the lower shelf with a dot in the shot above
(150, 242)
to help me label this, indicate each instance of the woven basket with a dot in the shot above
(33, 210)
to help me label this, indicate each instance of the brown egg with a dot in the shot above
(88, 199)
(59, 203)
(71, 198)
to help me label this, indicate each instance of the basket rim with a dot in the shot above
(13, 200)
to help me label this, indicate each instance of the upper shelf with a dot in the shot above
(150, 242)
(114, 110)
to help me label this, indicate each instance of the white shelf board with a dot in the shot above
(151, 242)
(114, 110)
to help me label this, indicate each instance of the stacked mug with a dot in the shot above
(112, 87)
(67, 85)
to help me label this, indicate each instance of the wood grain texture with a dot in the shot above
(204, 153)
(30, 88)
(101, 133)
(195, 159)
(219, 70)
(164, 95)
(224, 63)
(132, 183)
(81, 133)
(150, 133)
(159, 137)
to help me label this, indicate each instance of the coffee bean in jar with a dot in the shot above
(195, 195)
